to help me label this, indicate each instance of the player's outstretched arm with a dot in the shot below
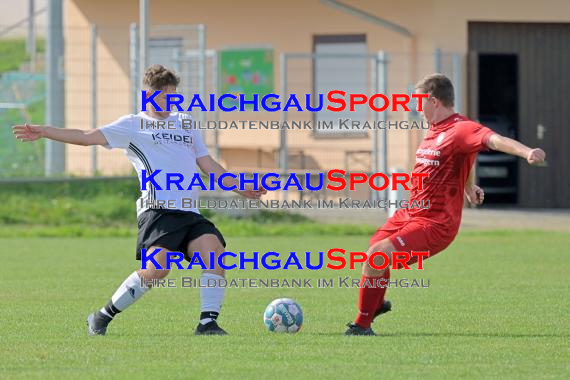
(208, 165)
(29, 132)
(504, 144)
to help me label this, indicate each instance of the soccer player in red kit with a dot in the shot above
(447, 155)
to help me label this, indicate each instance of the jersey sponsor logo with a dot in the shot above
(171, 138)
(428, 152)
(425, 161)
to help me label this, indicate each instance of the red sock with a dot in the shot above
(371, 297)
(382, 292)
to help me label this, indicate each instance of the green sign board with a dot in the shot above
(246, 71)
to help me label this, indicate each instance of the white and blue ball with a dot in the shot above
(283, 315)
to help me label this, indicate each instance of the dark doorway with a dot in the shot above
(498, 110)
(538, 111)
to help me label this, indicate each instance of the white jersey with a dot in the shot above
(169, 150)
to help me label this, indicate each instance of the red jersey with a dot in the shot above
(446, 154)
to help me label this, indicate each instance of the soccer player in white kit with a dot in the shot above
(178, 229)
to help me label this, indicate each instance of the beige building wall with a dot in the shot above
(287, 27)
(15, 11)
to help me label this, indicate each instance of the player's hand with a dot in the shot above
(536, 157)
(250, 193)
(28, 132)
(475, 195)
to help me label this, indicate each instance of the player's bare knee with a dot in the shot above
(160, 273)
(381, 246)
(379, 260)
(370, 271)
(156, 272)
(219, 270)
(153, 273)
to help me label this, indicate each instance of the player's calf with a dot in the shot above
(372, 290)
(211, 290)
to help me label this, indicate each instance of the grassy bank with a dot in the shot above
(106, 208)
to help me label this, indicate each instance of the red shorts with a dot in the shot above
(409, 235)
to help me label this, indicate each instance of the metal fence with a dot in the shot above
(22, 97)
(102, 82)
(350, 146)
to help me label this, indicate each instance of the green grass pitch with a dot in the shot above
(497, 307)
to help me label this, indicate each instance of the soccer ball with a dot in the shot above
(283, 315)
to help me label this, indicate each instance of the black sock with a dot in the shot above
(208, 316)
(102, 318)
(110, 309)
